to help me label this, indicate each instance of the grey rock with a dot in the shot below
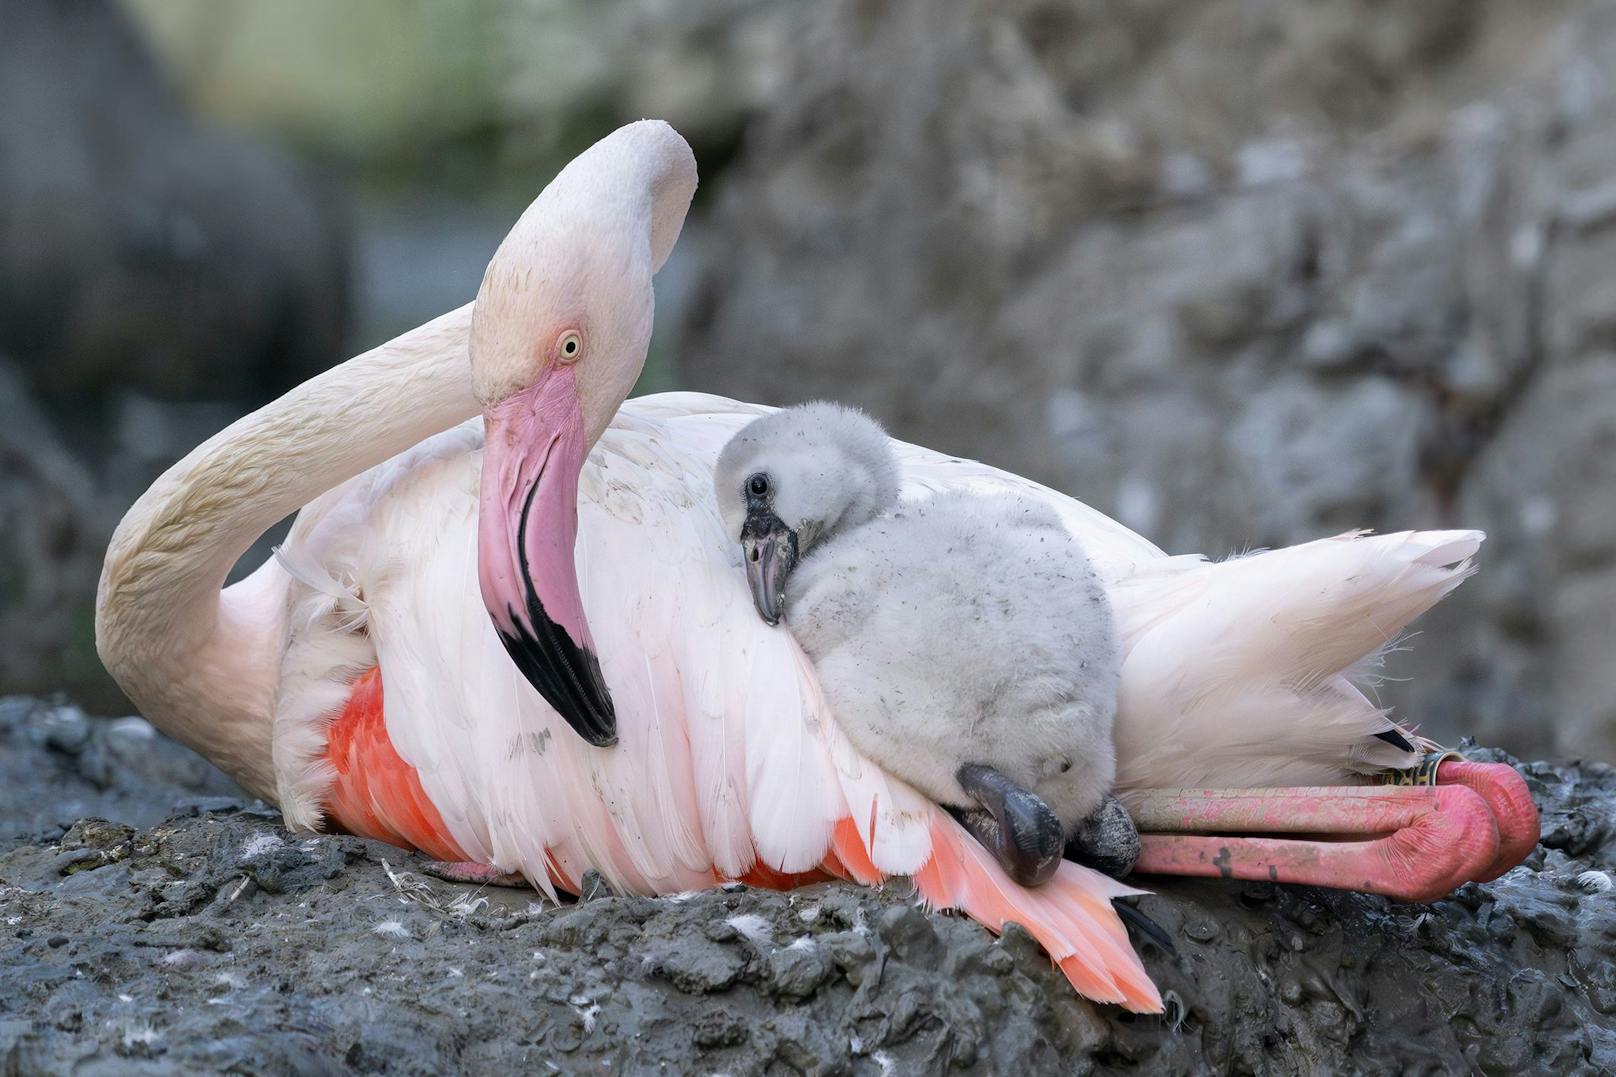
(796, 971)
(698, 966)
(64, 728)
(213, 939)
(141, 249)
(157, 278)
(53, 530)
(57, 765)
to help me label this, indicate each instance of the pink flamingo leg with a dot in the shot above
(1426, 840)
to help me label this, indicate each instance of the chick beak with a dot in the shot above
(770, 548)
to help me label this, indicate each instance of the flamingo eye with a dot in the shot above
(758, 485)
(570, 346)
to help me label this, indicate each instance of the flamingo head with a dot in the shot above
(558, 337)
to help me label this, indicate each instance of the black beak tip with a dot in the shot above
(566, 675)
(594, 720)
(594, 717)
(604, 736)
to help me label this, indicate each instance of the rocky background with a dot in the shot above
(153, 923)
(1239, 272)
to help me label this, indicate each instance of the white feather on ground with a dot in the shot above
(1240, 664)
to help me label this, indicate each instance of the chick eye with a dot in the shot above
(570, 347)
(757, 485)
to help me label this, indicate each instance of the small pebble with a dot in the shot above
(56, 942)
(796, 972)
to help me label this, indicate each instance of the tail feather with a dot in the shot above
(1235, 673)
(852, 856)
(1071, 915)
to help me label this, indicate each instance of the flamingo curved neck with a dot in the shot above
(204, 664)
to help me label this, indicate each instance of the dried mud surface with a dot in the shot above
(166, 928)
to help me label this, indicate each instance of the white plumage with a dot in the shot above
(1235, 672)
(1225, 680)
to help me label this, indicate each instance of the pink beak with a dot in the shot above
(526, 530)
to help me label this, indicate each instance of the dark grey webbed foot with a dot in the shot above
(1015, 825)
(1107, 840)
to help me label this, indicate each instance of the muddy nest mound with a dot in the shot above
(214, 941)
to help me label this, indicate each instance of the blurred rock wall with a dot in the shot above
(1239, 272)
(139, 250)
(157, 278)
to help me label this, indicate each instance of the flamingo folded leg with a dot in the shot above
(1427, 840)
(1499, 785)
(1508, 799)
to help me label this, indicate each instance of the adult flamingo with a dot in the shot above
(354, 679)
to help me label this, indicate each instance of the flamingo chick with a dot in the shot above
(964, 642)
